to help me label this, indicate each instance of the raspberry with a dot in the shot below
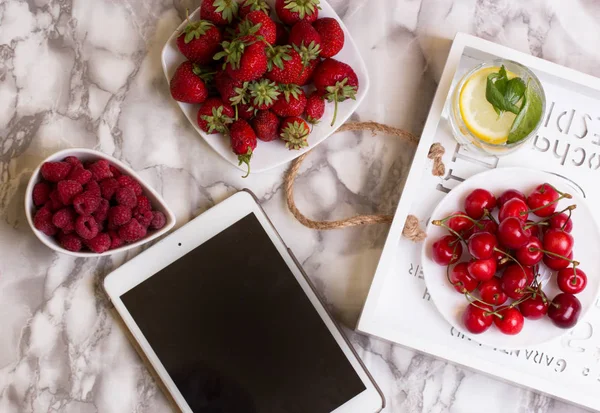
(70, 242)
(126, 196)
(143, 203)
(108, 187)
(92, 187)
(116, 241)
(132, 231)
(100, 170)
(115, 171)
(86, 227)
(41, 193)
(73, 160)
(158, 220)
(101, 213)
(144, 216)
(100, 243)
(54, 203)
(86, 203)
(64, 219)
(67, 191)
(128, 182)
(80, 175)
(43, 221)
(55, 171)
(119, 215)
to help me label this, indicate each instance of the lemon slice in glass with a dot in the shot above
(479, 114)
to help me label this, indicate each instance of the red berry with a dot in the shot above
(508, 195)
(481, 245)
(564, 310)
(491, 292)
(70, 242)
(67, 191)
(108, 187)
(220, 12)
(158, 220)
(258, 23)
(41, 193)
(100, 170)
(530, 253)
(571, 280)
(447, 250)
(561, 221)
(332, 36)
(115, 240)
(143, 203)
(535, 229)
(478, 201)
(315, 108)
(558, 242)
(100, 243)
(534, 308)
(487, 225)
(482, 270)
(83, 176)
(101, 213)
(461, 280)
(93, 188)
(290, 11)
(73, 160)
(115, 171)
(143, 216)
(86, 227)
(126, 196)
(214, 116)
(132, 231)
(128, 182)
(54, 203)
(55, 171)
(501, 259)
(43, 221)
(243, 141)
(266, 126)
(512, 234)
(459, 222)
(477, 318)
(199, 41)
(86, 203)
(64, 219)
(119, 215)
(514, 281)
(291, 103)
(557, 263)
(542, 201)
(282, 34)
(509, 320)
(514, 208)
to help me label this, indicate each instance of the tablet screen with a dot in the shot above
(236, 332)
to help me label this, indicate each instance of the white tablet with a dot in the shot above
(230, 323)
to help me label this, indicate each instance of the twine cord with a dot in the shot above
(412, 230)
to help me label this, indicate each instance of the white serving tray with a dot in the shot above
(398, 306)
(269, 155)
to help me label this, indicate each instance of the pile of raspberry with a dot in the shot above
(92, 206)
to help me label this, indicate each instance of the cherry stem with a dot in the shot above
(474, 300)
(555, 255)
(567, 221)
(562, 196)
(511, 257)
(449, 217)
(490, 216)
(443, 225)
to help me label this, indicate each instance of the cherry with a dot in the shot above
(488, 225)
(447, 250)
(514, 208)
(459, 222)
(501, 259)
(564, 310)
(530, 253)
(478, 201)
(555, 263)
(491, 292)
(482, 270)
(509, 320)
(558, 242)
(512, 234)
(542, 200)
(477, 318)
(561, 221)
(571, 280)
(535, 307)
(535, 228)
(508, 195)
(481, 245)
(514, 281)
(461, 280)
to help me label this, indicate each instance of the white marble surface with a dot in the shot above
(87, 73)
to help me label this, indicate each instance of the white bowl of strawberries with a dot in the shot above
(264, 81)
(84, 203)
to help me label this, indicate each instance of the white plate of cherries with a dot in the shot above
(501, 262)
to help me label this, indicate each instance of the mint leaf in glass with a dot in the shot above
(528, 117)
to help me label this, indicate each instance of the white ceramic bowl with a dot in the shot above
(90, 155)
(268, 155)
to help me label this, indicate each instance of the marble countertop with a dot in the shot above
(87, 73)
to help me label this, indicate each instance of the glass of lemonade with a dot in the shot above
(491, 110)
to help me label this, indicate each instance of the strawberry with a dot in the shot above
(293, 11)
(249, 6)
(199, 41)
(228, 88)
(281, 34)
(245, 111)
(263, 94)
(243, 61)
(284, 65)
(292, 103)
(306, 74)
(243, 141)
(187, 84)
(294, 131)
(332, 36)
(214, 116)
(315, 107)
(336, 81)
(303, 34)
(258, 25)
(220, 12)
(266, 125)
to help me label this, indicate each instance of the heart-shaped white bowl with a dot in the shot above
(91, 155)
